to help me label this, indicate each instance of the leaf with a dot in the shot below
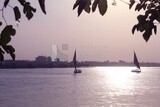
(148, 12)
(131, 3)
(5, 47)
(154, 15)
(29, 15)
(6, 3)
(6, 33)
(134, 28)
(17, 13)
(149, 6)
(147, 34)
(155, 29)
(1, 55)
(13, 56)
(76, 4)
(87, 7)
(142, 28)
(28, 10)
(102, 7)
(158, 18)
(142, 18)
(10, 50)
(94, 5)
(137, 7)
(42, 5)
(0, 23)
(144, 7)
(22, 2)
(81, 7)
(5, 40)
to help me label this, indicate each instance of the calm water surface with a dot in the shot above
(94, 87)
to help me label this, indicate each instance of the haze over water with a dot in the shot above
(94, 87)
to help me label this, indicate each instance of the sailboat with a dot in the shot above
(136, 62)
(75, 63)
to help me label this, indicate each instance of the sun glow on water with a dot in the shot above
(119, 79)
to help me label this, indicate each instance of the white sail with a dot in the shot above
(136, 62)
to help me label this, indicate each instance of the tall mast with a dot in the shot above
(74, 60)
(136, 61)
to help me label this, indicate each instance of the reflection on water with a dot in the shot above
(119, 80)
(94, 87)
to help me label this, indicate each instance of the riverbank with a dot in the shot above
(60, 64)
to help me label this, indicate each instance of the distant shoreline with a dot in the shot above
(73, 67)
(26, 64)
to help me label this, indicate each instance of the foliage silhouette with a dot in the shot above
(146, 23)
(8, 30)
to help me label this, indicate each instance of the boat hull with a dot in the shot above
(136, 71)
(77, 71)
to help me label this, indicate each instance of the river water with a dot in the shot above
(94, 87)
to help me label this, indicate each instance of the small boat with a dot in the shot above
(136, 62)
(136, 70)
(75, 63)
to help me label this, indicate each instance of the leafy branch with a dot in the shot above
(147, 23)
(8, 30)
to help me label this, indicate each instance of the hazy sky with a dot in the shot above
(95, 37)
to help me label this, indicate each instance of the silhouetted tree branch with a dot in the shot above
(147, 23)
(8, 30)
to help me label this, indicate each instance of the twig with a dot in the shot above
(10, 6)
(124, 2)
(3, 15)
